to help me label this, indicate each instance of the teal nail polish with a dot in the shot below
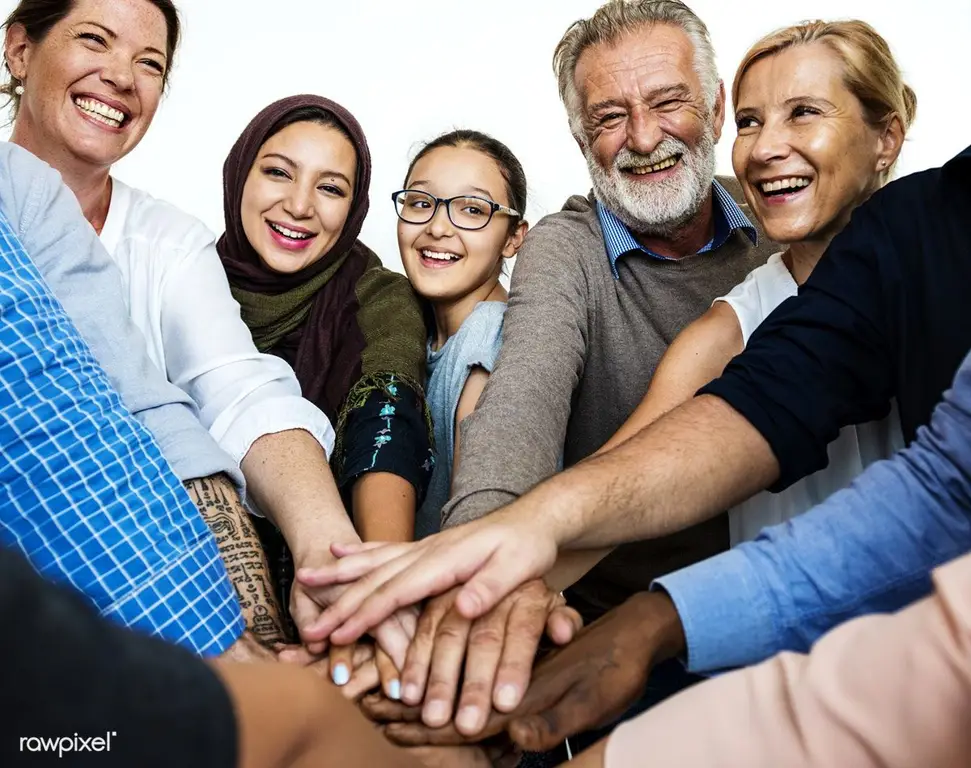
(394, 690)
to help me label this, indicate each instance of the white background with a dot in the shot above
(239, 55)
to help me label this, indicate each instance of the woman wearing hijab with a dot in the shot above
(295, 198)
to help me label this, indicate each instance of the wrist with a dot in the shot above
(311, 548)
(658, 624)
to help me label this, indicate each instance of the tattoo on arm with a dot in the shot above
(239, 545)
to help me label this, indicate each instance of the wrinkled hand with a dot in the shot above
(490, 557)
(588, 683)
(498, 651)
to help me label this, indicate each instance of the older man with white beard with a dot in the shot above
(602, 287)
(599, 291)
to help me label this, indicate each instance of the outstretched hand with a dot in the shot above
(488, 558)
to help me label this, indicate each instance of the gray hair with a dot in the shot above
(617, 18)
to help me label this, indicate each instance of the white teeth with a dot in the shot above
(645, 169)
(436, 256)
(292, 234)
(793, 182)
(101, 112)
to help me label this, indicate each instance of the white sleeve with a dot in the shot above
(242, 394)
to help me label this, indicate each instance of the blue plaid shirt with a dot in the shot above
(84, 491)
(619, 241)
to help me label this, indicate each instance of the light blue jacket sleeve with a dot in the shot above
(79, 271)
(868, 548)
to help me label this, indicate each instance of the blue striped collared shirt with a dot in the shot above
(84, 491)
(619, 241)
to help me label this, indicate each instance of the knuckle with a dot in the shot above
(487, 635)
(452, 631)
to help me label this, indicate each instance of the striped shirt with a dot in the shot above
(728, 217)
(84, 491)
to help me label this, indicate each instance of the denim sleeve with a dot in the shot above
(868, 548)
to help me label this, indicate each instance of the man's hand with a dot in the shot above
(498, 651)
(591, 681)
(491, 557)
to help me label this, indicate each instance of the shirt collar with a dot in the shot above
(619, 241)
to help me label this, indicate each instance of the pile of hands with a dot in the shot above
(437, 641)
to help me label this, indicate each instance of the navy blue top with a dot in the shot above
(886, 313)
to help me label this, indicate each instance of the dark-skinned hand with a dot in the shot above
(584, 685)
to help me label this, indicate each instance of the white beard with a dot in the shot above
(660, 208)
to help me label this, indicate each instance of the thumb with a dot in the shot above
(563, 624)
(499, 576)
(541, 732)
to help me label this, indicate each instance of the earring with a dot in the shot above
(19, 90)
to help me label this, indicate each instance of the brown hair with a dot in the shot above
(870, 71)
(39, 16)
(509, 165)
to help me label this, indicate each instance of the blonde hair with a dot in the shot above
(617, 18)
(870, 71)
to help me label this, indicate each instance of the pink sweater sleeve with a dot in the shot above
(880, 691)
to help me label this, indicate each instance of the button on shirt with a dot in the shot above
(619, 240)
(84, 491)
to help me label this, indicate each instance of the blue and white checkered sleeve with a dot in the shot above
(84, 491)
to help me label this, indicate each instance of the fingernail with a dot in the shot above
(341, 675)
(412, 694)
(467, 720)
(394, 690)
(436, 714)
(507, 697)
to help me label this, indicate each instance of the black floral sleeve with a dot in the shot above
(385, 428)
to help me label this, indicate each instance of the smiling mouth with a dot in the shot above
(438, 258)
(291, 234)
(786, 186)
(101, 112)
(646, 170)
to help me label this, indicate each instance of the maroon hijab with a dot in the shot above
(325, 351)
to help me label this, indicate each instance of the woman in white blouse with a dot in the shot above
(85, 87)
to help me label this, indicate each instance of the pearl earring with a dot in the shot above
(19, 90)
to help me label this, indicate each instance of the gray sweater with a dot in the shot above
(48, 221)
(579, 350)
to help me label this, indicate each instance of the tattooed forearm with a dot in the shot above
(220, 505)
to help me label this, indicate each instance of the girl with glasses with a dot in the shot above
(460, 217)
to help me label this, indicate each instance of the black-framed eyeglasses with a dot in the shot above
(465, 212)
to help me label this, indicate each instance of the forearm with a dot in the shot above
(572, 565)
(242, 554)
(879, 691)
(687, 467)
(77, 673)
(286, 716)
(384, 507)
(288, 476)
(868, 548)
